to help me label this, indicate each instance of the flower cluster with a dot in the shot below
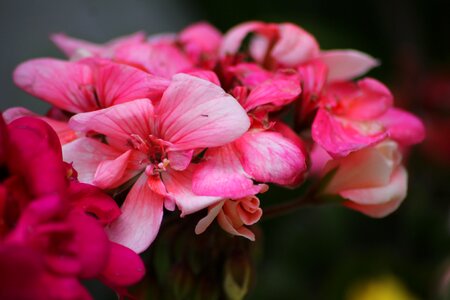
(195, 121)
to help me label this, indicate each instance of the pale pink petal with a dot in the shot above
(141, 218)
(179, 187)
(367, 168)
(158, 59)
(62, 129)
(109, 173)
(120, 122)
(221, 174)
(339, 138)
(347, 64)
(269, 157)
(204, 74)
(227, 225)
(118, 83)
(65, 85)
(204, 223)
(72, 46)
(295, 46)
(278, 91)
(403, 127)
(86, 154)
(235, 36)
(195, 113)
(380, 201)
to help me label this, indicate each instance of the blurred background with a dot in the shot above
(314, 253)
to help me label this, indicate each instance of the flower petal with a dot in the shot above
(235, 36)
(86, 154)
(92, 200)
(73, 46)
(118, 122)
(66, 85)
(160, 59)
(195, 113)
(340, 138)
(124, 267)
(179, 186)
(92, 244)
(403, 127)
(35, 155)
(278, 91)
(62, 129)
(118, 83)
(227, 225)
(270, 157)
(378, 202)
(204, 223)
(109, 173)
(367, 168)
(221, 174)
(347, 64)
(295, 46)
(141, 218)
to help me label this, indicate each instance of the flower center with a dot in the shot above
(155, 150)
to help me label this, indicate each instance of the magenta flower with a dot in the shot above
(155, 143)
(48, 242)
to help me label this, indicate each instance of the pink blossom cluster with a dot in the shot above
(194, 121)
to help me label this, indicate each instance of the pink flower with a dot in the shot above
(371, 180)
(155, 144)
(353, 116)
(86, 85)
(82, 86)
(48, 241)
(233, 216)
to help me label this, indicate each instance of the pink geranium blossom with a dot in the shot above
(371, 180)
(82, 86)
(155, 143)
(51, 226)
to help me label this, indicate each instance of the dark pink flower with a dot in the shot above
(51, 228)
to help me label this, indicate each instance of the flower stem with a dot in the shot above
(310, 198)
